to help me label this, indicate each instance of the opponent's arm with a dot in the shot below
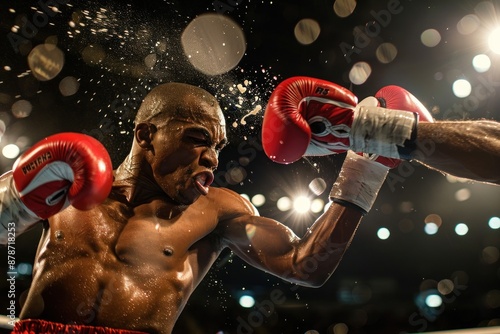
(468, 149)
(392, 124)
(61, 170)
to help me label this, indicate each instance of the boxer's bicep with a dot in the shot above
(262, 242)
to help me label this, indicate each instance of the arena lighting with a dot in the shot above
(494, 223)
(431, 228)
(301, 204)
(493, 41)
(284, 204)
(383, 233)
(461, 88)
(481, 63)
(10, 151)
(461, 229)
(246, 301)
(258, 200)
(433, 300)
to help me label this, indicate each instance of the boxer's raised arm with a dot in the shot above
(63, 169)
(468, 149)
(310, 260)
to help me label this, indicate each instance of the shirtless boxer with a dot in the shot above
(130, 264)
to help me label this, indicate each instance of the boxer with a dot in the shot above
(131, 261)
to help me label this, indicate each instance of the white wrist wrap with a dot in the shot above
(12, 210)
(380, 131)
(359, 181)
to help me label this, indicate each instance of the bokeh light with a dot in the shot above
(430, 38)
(21, 108)
(490, 255)
(494, 223)
(69, 86)
(433, 300)
(307, 31)
(461, 88)
(284, 203)
(386, 53)
(214, 44)
(462, 195)
(360, 72)
(468, 24)
(445, 287)
(247, 301)
(10, 151)
(481, 63)
(258, 200)
(461, 229)
(344, 8)
(317, 205)
(431, 228)
(46, 61)
(383, 233)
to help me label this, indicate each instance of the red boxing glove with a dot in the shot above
(307, 114)
(63, 169)
(395, 97)
(311, 117)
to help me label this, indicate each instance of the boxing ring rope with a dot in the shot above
(4, 324)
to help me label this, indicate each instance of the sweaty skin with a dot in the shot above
(133, 261)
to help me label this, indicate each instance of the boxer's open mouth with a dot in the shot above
(203, 182)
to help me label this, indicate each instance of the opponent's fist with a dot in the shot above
(63, 169)
(395, 97)
(307, 114)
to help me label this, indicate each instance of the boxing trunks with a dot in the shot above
(36, 326)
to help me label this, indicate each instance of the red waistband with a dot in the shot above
(36, 326)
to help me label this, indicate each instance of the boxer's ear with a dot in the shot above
(144, 135)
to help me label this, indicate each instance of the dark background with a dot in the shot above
(379, 286)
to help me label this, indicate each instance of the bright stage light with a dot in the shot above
(383, 233)
(301, 204)
(462, 88)
(433, 300)
(481, 63)
(493, 41)
(10, 151)
(284, 204)
(258, 200)
(431, 228)
(317, 205)
(494, 223)
(247, 301)
(461, 229)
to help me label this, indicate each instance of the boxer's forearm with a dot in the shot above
(468, 149)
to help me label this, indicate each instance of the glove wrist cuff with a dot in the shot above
(12, 209)
(359, 181)
(387, 132)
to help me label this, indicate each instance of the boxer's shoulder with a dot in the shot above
(230, 204)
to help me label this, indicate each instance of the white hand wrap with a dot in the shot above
(359, 181)
(381, 131)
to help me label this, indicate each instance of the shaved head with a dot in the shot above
(177, 101)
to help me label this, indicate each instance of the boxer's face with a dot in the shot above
(186, 150)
